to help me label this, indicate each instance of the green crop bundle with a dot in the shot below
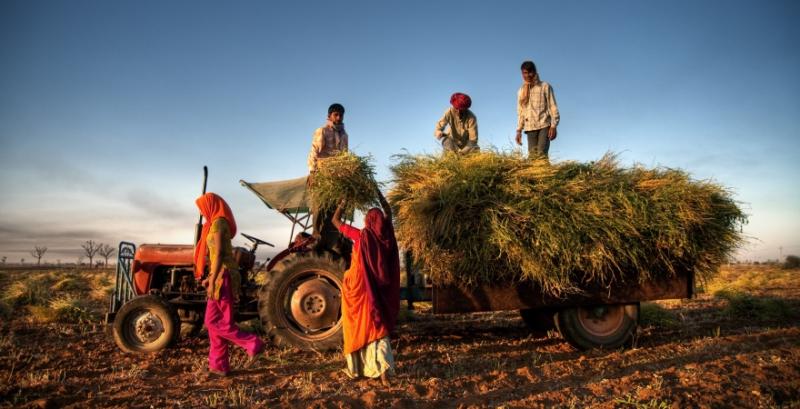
(493, 216)
(347, 177)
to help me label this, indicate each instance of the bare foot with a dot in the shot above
(385, 380)
(212, 374)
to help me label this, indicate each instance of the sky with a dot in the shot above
(109, 110)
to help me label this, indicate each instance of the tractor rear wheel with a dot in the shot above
(146, 324)
(602, 326)
(300, 305)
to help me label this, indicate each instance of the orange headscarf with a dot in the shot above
(212, 207)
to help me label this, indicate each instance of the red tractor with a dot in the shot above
(157, 299)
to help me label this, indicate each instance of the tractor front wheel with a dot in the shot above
(300, 305)
(602, 326)
(146, 324)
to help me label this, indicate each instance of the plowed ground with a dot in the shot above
(704, 352)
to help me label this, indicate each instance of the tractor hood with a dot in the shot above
(166, 254)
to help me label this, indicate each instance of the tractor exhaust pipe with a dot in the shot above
(198, 227)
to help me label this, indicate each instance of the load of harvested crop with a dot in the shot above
(492, 217)
(347, 177)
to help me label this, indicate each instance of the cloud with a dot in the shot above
(151, 203)
(17, 239)
(24, 233)
(56, 171)
(55, 174)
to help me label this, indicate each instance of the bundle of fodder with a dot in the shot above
(492, 217)
(347, 177)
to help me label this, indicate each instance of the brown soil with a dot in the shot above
(704, 356)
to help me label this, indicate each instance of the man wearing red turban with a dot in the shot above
(462, 136)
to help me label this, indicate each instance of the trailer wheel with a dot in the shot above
(602, 326)
(146, 324)
(538, 320)
(300, 305)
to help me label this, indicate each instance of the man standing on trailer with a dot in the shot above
(537, 112)
(328, 140)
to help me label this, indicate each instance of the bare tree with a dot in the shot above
(90, 248)
(106, 251)
(38, 253)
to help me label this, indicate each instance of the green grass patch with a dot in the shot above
(652, 314)
(30, 290)
(71, 282)
(70, 309)
(65, 309)
(744, 305)
(46, 297)
(750, 279)
(41, 314)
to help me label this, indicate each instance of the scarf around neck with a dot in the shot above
(526, 91)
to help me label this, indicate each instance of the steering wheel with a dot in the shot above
(256, 240)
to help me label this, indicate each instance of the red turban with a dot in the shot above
(460, 101)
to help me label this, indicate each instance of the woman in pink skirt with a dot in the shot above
(222, 284)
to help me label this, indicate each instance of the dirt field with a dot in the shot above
(737, 345)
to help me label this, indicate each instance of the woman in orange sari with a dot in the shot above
(222, 284)
(370, 294)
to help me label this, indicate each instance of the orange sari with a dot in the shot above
(357, 305)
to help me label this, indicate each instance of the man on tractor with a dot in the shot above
(328, 140)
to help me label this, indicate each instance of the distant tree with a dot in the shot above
(3, 259)
(106, 251)
(90, 248)
(22, 261)
(38, 253)
(80, 260)
(792, 261)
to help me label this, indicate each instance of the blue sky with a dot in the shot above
(109, 110)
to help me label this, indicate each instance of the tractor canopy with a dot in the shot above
(288, 197)
(283, 195)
